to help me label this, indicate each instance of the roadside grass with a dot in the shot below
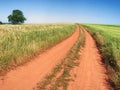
(19, 43)
(108, 40)
(60, 77)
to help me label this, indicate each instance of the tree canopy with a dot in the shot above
(16, 17)
(0, 22)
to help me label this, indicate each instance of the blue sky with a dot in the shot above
(55, 11)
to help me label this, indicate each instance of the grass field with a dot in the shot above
(108, 40)
(19, 43)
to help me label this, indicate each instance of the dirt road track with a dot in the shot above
(91, 72)
(25, 77)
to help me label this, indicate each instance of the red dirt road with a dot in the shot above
(27, 76)
(90, 75)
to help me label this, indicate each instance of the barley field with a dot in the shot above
(19, 43)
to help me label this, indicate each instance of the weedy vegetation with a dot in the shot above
(19, 43)
(108, 40)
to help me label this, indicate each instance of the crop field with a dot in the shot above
(19, 43)
(108, 40)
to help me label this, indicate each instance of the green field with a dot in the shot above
(19, 43)
(108, 40)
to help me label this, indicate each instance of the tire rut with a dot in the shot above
(27, 76)
(91, 73)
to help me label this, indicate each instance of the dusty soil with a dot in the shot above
(27, 76)
(90, 75)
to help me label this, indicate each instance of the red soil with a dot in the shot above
(90, 75)
(27, 76)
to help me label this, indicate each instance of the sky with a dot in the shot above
(64, 11)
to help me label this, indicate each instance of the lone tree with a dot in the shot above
(16, 17)
(0, 22)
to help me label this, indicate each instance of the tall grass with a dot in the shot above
(18, 43)
(108, 40)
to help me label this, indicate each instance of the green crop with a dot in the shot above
(108, 39)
